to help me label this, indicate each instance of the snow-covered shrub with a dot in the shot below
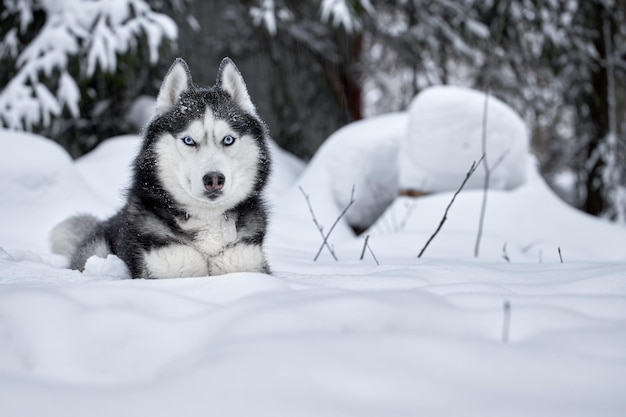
(362, 155)
(445, 135)
(54, 50)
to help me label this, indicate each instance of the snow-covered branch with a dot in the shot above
(343, 13)
(339, 13)
(267, 15)
(92, 31)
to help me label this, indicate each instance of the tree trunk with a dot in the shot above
(596, 103)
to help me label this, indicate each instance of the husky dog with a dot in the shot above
(195, 205)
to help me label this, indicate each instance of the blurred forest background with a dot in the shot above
(74, 70)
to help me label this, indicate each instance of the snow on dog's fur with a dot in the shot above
(195, 205)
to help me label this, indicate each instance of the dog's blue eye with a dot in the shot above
(188, 140)
(228, 140)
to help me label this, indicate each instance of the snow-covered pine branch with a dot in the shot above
(339, 13)
(266, 14)
(92, 33)
(344, 13)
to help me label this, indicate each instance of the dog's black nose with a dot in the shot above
(214, 181)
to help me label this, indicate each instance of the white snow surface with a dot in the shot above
(445, 136)
(349, 338)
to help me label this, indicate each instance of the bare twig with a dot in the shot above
(445, 214)
(488, 171)
(506, 321)
(319, 226)
(487, 88)
(560, 256)
(343, 213)
(369, 248)
(366, 245)
(505, 254)
(500, 159)
(407, 214)
(483, 207)
(530, 245)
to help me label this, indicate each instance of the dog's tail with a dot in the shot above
(78, 238)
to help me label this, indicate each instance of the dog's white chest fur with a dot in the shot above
(212, 252)
(211, 235)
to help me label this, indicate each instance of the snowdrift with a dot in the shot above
(350, 338)
(445, 133)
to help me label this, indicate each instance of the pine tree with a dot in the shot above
(604, 173)
(74, 66)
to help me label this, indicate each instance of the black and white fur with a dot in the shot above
(195, 206)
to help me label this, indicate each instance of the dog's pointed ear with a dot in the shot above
(230, 80)
(177, 80)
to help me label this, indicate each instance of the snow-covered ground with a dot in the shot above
(428, 336)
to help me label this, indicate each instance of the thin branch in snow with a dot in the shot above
(318, 226)
(343, 213)
(364, 247)
(505, 254)
(321, 228)
(445, 214)
(483, 207)
(560, 256)
(407, 215)
(486, 166)
(530, 245)
(500, 159)
(506, 321)
(488, 171)
(368, 247)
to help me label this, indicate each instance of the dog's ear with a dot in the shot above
(230, 80)
(177, 80)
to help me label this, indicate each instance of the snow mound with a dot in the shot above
(111, 266)
(360, 155)
(108, 168)
(527, 224)
(35, 172)
(444, 137)
(286, 168)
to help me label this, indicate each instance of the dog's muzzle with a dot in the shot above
(213, 184)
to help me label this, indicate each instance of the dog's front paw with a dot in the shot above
(242, 257)
(175, 261)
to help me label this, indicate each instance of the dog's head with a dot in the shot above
(208, 145)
